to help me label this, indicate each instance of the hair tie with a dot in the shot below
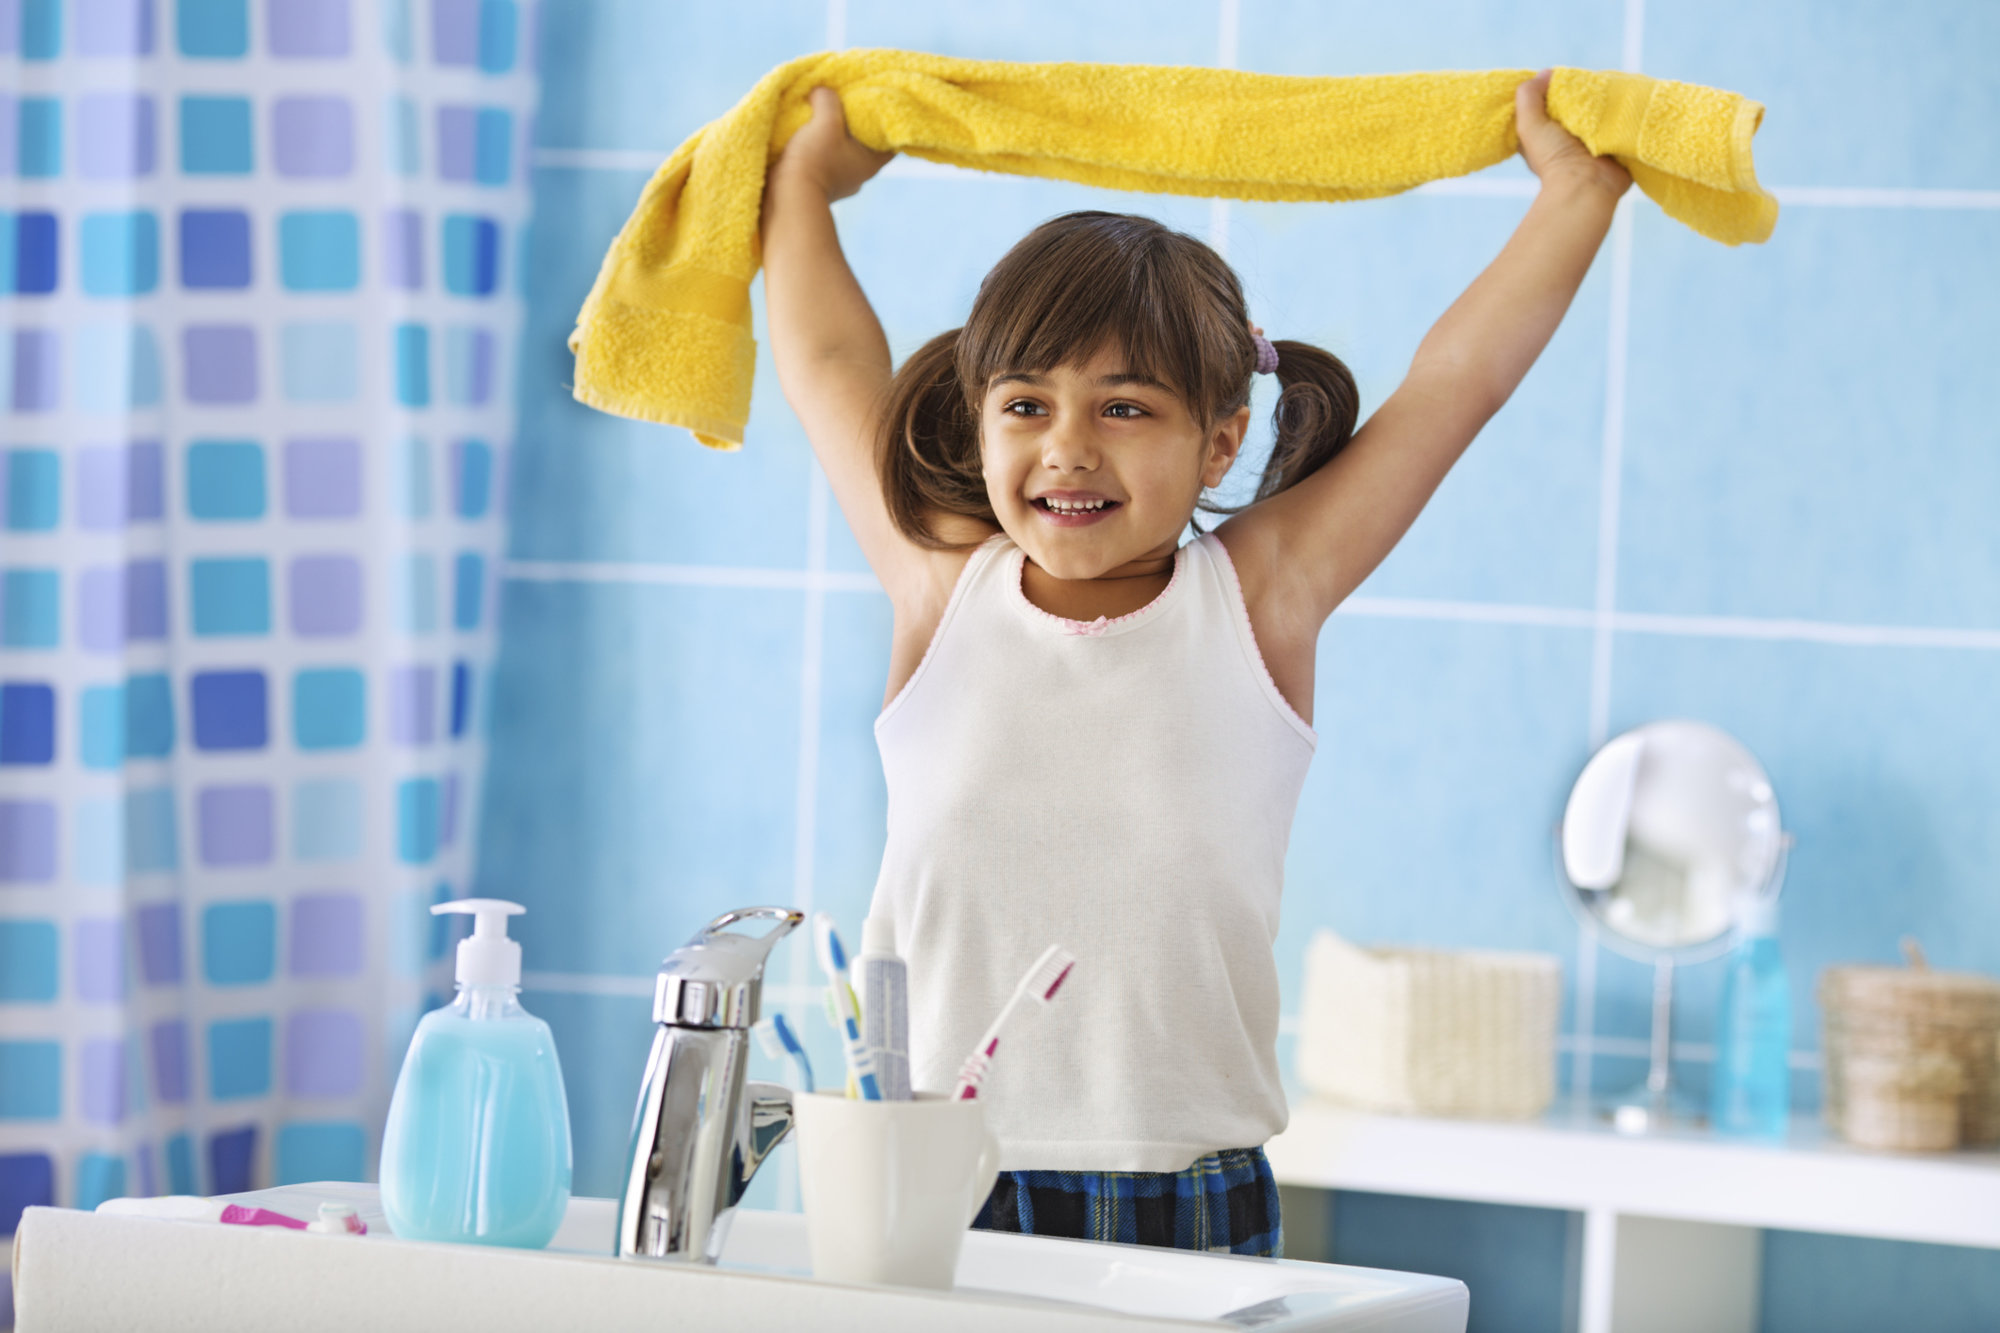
(1267, 355)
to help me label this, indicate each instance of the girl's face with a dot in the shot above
(1094, 471)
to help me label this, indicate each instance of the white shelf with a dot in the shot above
(1807, 1183)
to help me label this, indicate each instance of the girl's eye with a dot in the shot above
(1126, 411)
(1021, 407)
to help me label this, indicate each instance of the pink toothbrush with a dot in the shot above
(1044, 979)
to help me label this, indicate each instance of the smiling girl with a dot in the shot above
(1095, 733)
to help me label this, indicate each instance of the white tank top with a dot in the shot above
(1124, 788)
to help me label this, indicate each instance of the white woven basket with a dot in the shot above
(1430, 1032)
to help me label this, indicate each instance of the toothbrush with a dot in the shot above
(833, 960)
(775, 1035)
(1040, 985)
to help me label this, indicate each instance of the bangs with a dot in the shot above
(1086, 282)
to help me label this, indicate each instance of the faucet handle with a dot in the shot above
(715, 980)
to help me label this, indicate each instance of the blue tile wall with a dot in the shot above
(1804, 435)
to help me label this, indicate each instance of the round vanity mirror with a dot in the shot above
(1671, 831)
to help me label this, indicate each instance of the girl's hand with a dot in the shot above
(1553, 153)
(825, 153)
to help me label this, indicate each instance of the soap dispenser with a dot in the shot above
(477, 1146)
(1752, 1090)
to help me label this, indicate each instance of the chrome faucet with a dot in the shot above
(701, 1130)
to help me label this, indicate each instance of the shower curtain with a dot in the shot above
(258, 308)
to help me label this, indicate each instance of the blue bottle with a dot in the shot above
(1752, 1090)
(477, 1145)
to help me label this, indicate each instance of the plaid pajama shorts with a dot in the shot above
(1226, 1201)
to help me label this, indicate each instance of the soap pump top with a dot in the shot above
(486, 957)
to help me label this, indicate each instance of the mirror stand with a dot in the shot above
(1654, 1104)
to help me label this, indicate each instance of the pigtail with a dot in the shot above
(1315, 416)
(927, 449)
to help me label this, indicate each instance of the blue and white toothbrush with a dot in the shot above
(833, 960)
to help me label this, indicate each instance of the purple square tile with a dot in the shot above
(413, 705)
(235, 825)
(323, 477)
(325, 595)
(99, 954)
(27, 842)
(114, 136)
(103, 1062)
(10, 116)
(307, 29)
(100, 608)
(148, 1180)
(468, 360)
(146, 599)
(145, 481)
(312, 136)
(114, 27)
(160, 944)
(10, 27)
(170, 1063)
(220, 363)
(100, 487)
(37, 370)
(326, 935)
(323, 1053)
(457, 142)
(403, 249)
(455, 32)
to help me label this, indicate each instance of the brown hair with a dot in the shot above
(1070, 286)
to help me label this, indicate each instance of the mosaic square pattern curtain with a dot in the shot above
(257, 314)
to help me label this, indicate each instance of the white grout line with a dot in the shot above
(647, 160)
(1763, 629)
(836, 24)
(1610, 474)
(1834, 196)
(805, 815)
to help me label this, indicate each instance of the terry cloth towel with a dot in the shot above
(665, 333)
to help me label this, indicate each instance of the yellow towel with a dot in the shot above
(665, 333)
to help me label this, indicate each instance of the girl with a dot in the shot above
(1092, 733)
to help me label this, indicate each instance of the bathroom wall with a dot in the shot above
(1754, 486)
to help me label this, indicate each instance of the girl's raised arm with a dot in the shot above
(1312, 545)
(833, 360)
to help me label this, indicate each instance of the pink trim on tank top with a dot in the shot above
(1087, 628)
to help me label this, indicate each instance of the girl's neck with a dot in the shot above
(1118, 592)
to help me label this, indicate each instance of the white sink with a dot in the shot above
(198, 1275)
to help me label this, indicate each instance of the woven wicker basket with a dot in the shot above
(1430, 1032)
(1912, 1057)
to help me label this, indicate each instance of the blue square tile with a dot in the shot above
(212, 29)
(320, 362)
(41, 29)
(149, 717)
(152, 841)
(586, 830)
(851, 820)
(31, 1080)
(101, 724)
(602, 1038)
(230, 595)
(30, 608)
(468, 590)
(28, 962)
(1429, 821)
(471, 249)
(413, 365)
(329, 708)
(1148, 32)
(493, 152)
(117, 368)
(40, 152)
(1304, 37)
(1925, 72)
(1808, 433)
(229, 709)
(472, 475)
(215, 248)
(225, 480)
(239, 1065)
(319, 251)
(33, 490)
(215, 135)
(121, 253)
(417, 812)
(461, 697)
(36, 250)
(99, 1176)
(239, 943)
(309, 1151)
(180, 1165)
(416, 599)
(405, 137)
(327, 820)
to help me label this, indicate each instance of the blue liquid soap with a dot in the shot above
(477, 1147)
(1752, 1091)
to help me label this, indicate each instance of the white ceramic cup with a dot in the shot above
(890, 1187)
